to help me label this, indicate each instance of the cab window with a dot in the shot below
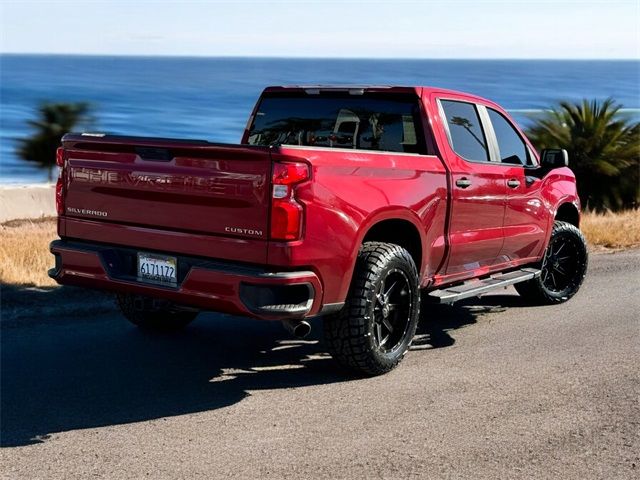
(465, 129)
(371, 121)
(513, 150)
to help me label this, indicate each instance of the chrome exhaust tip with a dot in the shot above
(297, 328)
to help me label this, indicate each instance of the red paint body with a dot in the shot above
(212, 201)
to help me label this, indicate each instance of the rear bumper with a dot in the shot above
(202, 283)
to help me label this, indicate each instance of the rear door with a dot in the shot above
(478, 190)
(526, 217)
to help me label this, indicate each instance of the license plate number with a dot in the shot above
(160, 269)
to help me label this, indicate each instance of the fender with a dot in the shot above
(397, 213)
(560, 189)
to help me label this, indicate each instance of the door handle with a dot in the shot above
(513, 183)
(463, 182)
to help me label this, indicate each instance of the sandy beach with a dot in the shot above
(26, 201)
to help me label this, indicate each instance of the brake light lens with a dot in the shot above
(290, 173)
(286, 213)
(60, 156)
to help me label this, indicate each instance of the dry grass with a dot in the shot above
(612, 230)
(25, 257)
(24, 252)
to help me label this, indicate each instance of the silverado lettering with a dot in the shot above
(86, 211)
(360, 208)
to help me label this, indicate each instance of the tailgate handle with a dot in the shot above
(154, 154)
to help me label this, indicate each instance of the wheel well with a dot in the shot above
(568, 213)
(400, 232)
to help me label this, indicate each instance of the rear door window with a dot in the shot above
(513, 149)
(372, 121)
(465, 130)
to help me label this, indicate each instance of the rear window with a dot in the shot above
(465, 129)
(370, 122)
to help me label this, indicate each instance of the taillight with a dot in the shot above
(60, 156)
(286, 213)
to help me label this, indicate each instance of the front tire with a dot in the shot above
(563, 268)
(373, 331)
(153, 314)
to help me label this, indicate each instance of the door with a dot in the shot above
(526, 218)
(478, 191)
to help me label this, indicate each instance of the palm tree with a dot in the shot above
(604, 150)
(55, 119)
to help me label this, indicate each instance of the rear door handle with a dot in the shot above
(463, 182)
(513, 183)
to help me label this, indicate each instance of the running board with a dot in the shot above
(473, 288)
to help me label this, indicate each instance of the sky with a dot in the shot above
(327, 28)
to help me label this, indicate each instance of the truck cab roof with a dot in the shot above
(358, 89)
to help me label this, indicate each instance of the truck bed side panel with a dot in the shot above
(349, 193)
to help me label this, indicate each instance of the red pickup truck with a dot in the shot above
(341, 202)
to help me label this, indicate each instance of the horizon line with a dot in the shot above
(296, 57)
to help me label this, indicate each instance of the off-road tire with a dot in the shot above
(153, 314)
(350, 335)
(541, 290)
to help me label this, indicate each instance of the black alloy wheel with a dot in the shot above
(561, 264)
(392, 311)
(563, 268)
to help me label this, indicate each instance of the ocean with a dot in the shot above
(210, 98)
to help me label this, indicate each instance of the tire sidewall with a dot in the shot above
(571, 233)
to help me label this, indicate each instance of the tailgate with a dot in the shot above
(192, 187)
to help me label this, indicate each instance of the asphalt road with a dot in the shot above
(491, 389)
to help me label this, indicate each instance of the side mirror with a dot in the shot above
(554, 158)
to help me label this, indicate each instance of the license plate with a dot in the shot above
(159, 269)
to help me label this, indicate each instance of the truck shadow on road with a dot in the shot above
(96, 372)
(438, 321)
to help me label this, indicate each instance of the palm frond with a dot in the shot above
(603, 146)
(53, 121)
